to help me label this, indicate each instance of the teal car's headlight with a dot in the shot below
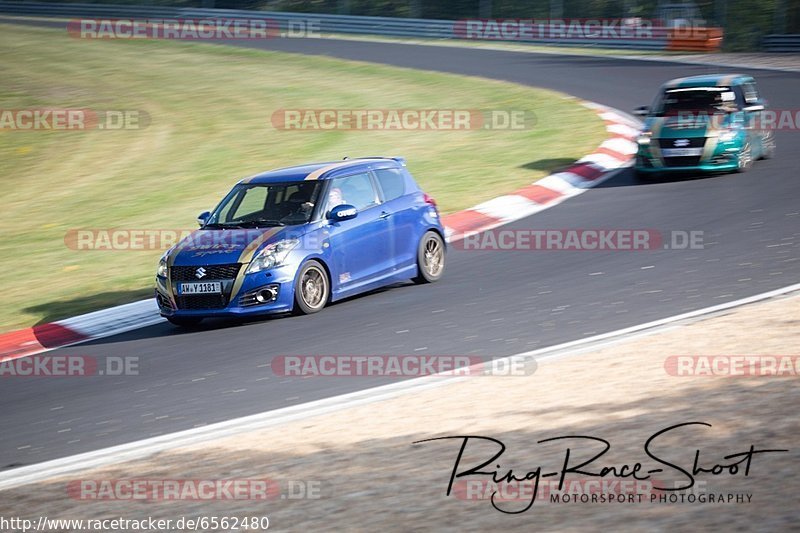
(728, 135)
(644, 138)
(272, 256)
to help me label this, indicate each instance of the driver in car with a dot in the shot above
(335, 197)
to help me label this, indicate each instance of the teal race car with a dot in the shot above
(710, 123)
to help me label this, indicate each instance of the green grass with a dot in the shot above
(210, 109)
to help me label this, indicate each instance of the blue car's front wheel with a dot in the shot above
(312, 289)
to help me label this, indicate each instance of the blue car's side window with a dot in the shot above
(356, 190)
(392, 183)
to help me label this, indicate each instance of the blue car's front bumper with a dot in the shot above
(239, 298)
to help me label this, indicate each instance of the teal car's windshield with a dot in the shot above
(266, 204)
(696, 100)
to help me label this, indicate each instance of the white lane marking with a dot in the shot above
(561, 183)
(620, 145)
(575, 180)
(603, 160)
(114, 320)
(611, 116)
(508, 207)
(143, 448)
(594, 106)
(623, 129)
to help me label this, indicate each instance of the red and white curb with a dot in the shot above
(613, 154)
(104, 323)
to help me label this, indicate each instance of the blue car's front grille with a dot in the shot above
(223, 273)
(201, 301)
(189, 273)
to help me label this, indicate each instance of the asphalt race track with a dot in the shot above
(488, 304)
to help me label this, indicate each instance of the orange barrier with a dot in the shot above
(694, 39)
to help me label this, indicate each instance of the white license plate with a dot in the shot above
(681, 152)
(207, 287)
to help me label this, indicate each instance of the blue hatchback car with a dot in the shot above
(297, 238)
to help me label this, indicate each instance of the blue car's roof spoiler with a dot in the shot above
(401, 160)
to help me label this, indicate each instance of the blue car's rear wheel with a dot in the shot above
(430, 258)
(312, 289)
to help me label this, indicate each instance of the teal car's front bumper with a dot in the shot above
(715, 156)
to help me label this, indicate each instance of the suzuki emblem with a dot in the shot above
(200, 272)
(680, 143)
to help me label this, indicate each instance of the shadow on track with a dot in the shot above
(61, 309)
(211, 324)
(628, 178)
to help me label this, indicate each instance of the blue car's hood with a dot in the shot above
(218, 247)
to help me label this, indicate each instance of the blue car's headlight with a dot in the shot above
(162, 268)
(162, 264)
(272, 256)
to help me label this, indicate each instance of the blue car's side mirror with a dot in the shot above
(342, 212)
(203, 217)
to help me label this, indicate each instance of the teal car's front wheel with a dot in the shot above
(745, 158)
(768, 146)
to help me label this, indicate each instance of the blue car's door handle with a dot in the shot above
(385, 215)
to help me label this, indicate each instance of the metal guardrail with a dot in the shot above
(326, 24)
(781, 43)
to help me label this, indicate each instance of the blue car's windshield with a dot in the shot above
(266, 204)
